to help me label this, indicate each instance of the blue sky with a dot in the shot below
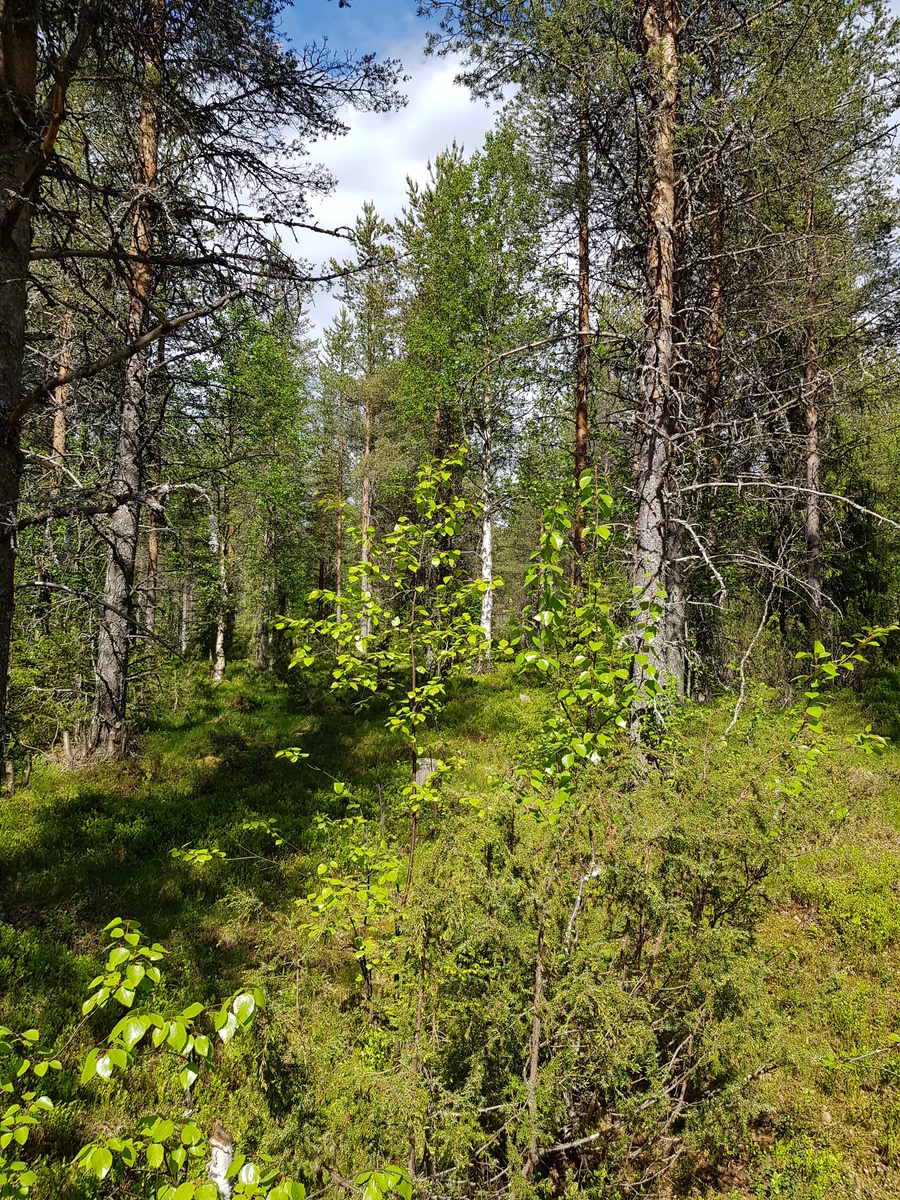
(374, 159)
(363, 26)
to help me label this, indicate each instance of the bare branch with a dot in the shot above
(90, 369)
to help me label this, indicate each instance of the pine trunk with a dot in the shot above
(108, 731)
(810, 404)
(658, 357)
(339, 535)
(18, 82)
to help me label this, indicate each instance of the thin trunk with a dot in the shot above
(810, 404)
(18, 79)
(108, 730)
(673, 629)
(437, 435)
(534, 1058)
(487, 540)
(152, 572)
(153, 521)
(58, 429)
(339, 536)
(417, 1065)
(60, 421)
(583, 353)
(715, 321)
(225, 553)
(706, 618)
(264, 633)
(658, 365)
(184, 615)
(365, 625)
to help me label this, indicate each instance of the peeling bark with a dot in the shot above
(660, 28)
(108, 731)
(583, 353)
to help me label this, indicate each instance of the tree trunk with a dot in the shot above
(152, 573)
(18, 74)
(487, 540)
(153, 518)
(715, 320)
(60, 423)
(810, 404)
(706, 618)
(531, 1159)
(339, 535)
(108, 730)
(583, 353)
(365, 625)
(219, 661)
(184, 613)
(264, 632)
(226, 553)
(658, 358)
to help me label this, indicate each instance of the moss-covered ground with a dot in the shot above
(817, 1110)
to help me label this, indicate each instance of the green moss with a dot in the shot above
(777, 924)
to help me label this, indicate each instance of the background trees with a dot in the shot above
(168, 172)
(601, 440)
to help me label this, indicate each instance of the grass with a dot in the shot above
(818, 1114)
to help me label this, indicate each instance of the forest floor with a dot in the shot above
(78, 848)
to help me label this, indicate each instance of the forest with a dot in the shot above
(448, 751)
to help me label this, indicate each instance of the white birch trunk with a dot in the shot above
(219, 662)
(487, 546)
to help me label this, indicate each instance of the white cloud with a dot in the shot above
(374, 159)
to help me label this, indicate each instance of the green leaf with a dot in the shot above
(118, 1058)
(135, 1028)
(155, 1155)
(90, 1066)
(228, 1028)
(249, 1173)
(177, 1036)
(101, 1162)
(190, 1134)
(244, 1007)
